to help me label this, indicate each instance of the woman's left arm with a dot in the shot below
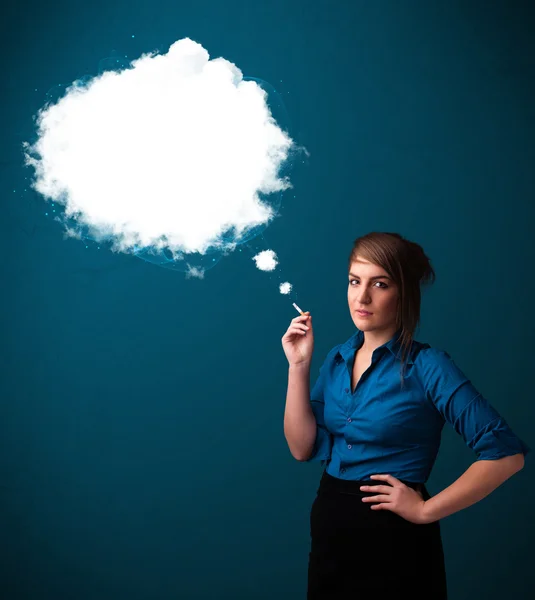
(479, 480)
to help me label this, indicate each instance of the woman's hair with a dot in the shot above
(407, 264)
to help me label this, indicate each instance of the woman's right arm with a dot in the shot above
(299, 421)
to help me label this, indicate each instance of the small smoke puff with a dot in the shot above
(194, 272)
(285, 288)
(178, 147)
(71, 233)
(266, 260)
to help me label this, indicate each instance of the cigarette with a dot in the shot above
(297, 308)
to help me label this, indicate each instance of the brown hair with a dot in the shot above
(409, 267)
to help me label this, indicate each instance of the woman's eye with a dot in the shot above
(383, 285)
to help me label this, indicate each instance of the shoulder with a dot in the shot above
(426, 355)
(435, 365)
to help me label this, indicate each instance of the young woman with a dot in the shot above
(374, 418)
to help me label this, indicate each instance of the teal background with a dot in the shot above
(142, 453)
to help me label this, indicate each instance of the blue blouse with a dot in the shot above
(382, 428)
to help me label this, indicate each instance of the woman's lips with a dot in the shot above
(363, 313)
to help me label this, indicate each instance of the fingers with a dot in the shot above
(298, 325)
(291, 332)
(384, 493)
(384, 489)
(379, 498)
(299, 330)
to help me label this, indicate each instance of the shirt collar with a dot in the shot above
(347, 350)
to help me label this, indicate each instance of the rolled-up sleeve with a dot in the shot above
(324, 439)
(483, 429)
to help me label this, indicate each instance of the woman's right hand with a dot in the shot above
(298, 341)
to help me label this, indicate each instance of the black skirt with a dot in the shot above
(355, 549)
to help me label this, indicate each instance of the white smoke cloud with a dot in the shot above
(169, 153)
(266, 260)
(285, 288)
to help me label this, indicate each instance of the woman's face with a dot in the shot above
(371, 289)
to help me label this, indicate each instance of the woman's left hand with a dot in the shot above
(397, 497)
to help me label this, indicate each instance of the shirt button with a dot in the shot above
(349, 419)
(346, 390)
(342, 470)
(349, 446)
